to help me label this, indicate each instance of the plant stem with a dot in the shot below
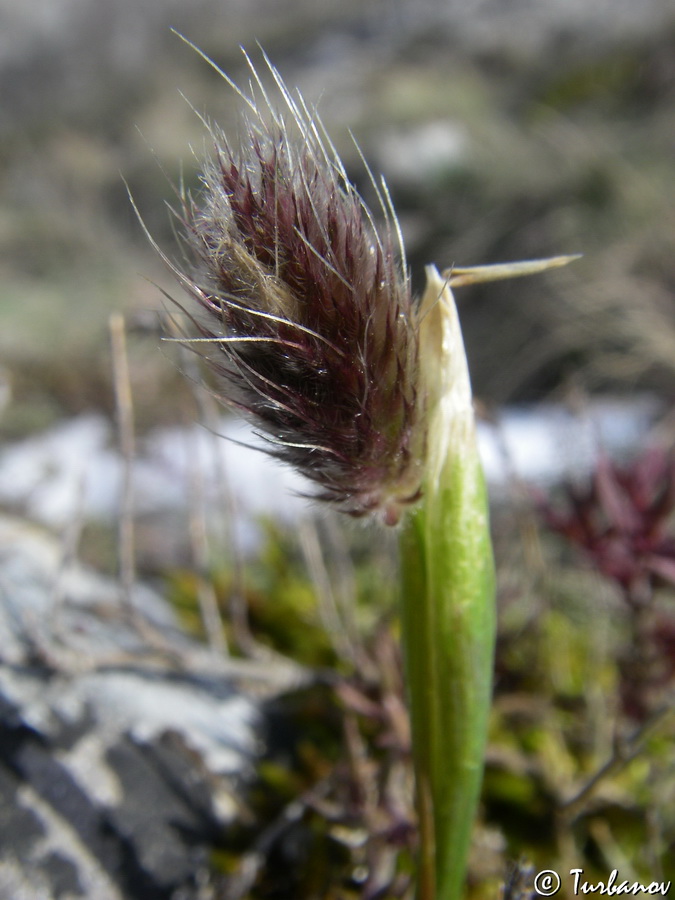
(448, 615)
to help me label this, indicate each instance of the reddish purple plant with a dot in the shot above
(309, 321)
(622, 521)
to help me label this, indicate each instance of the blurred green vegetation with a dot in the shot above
(325, 809)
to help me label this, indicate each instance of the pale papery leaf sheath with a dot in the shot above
(307, 317)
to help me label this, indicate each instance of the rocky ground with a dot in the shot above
(123, 744)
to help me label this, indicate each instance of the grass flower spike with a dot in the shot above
(307, 315)
(303, 309)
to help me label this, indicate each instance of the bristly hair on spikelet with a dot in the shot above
(304, 309)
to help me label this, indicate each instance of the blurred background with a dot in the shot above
(506, 130)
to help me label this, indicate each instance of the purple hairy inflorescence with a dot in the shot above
(304, 310)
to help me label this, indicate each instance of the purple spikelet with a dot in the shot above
(304, 309)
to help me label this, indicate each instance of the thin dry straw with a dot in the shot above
(125, 423)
